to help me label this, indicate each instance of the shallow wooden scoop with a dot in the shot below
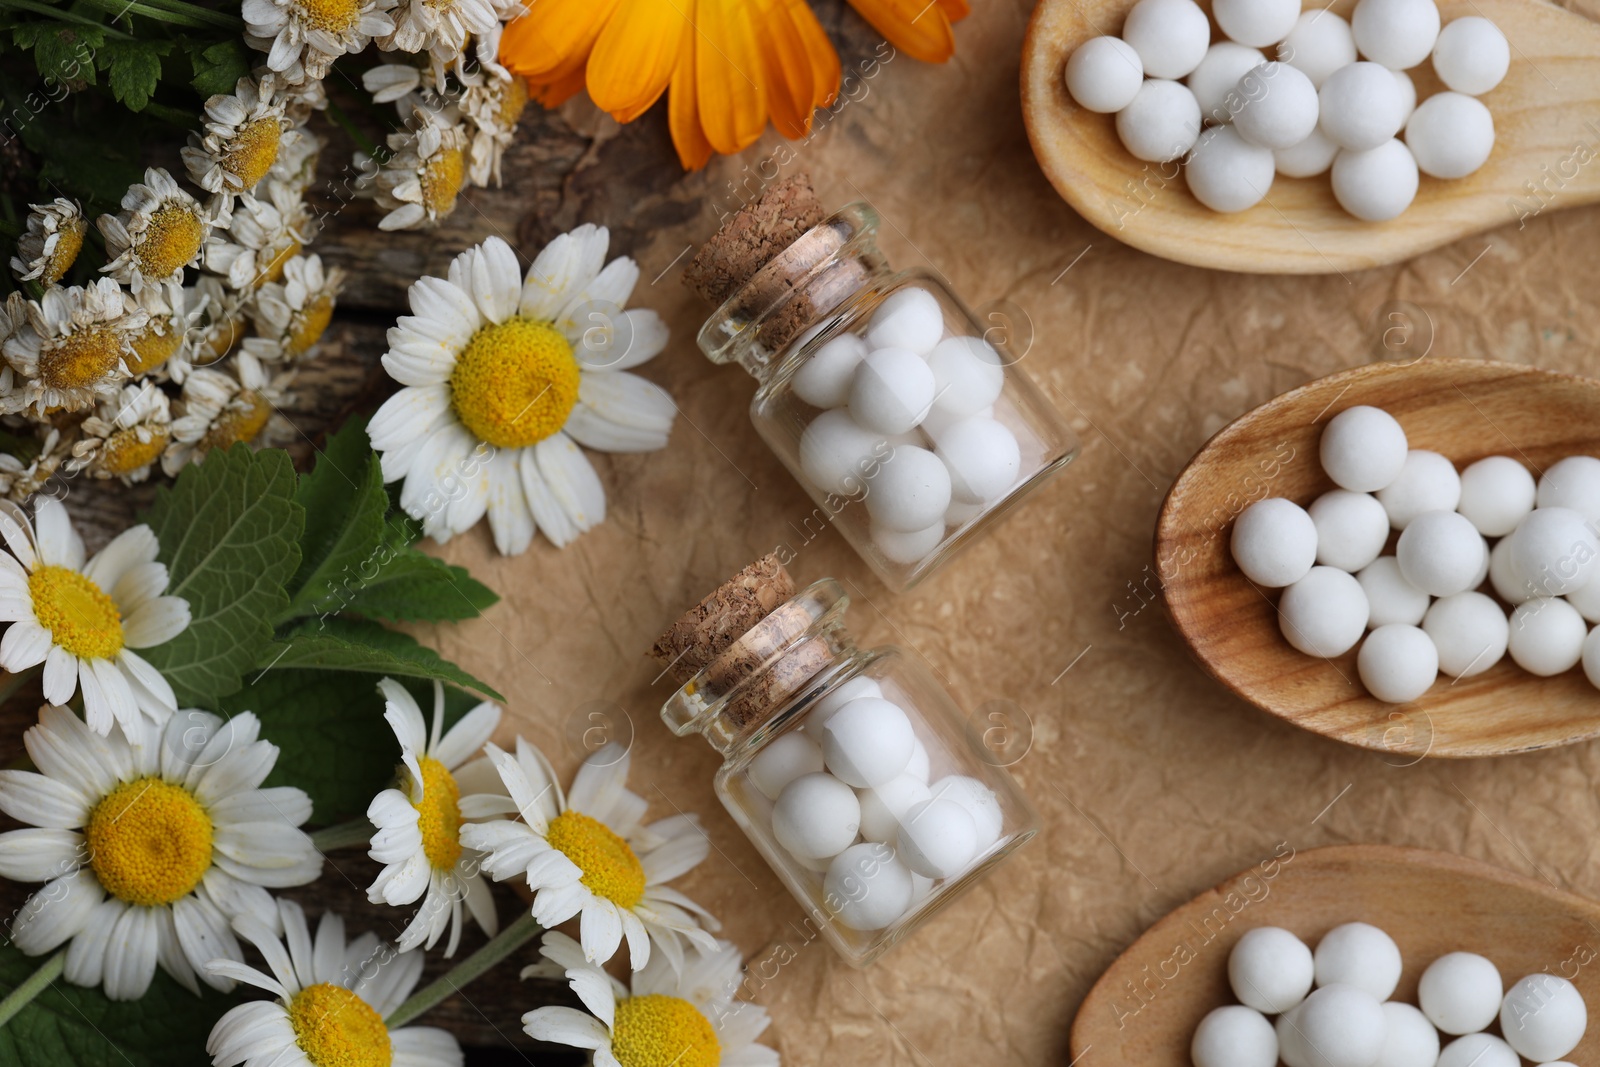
(1547, 124)
(1464, 409)
(1145, 1007)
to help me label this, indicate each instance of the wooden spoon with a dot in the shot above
(1464, 409)
(1546, 116)
(1145, 1007)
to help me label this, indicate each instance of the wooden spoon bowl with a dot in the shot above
(1547, 141)
(1464, 409)
(1144, 1009)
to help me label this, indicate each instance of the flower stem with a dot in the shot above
(36, 983)
(343, 835)
(340, 119)
(499, 947)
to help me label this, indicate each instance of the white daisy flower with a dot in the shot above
(125, 436)
(221, 323)
(71, 347)
(21, 477)
(492, 109)
(304, 37)
(688, 1018)
(587, 854)
(263, 235)
(424, 170)
(149, 846)
(291, 316)
(160, 231)
(220, 408)
(50, 245)
(243, 132)
(419, 822)
(506, 376)
(441, 29)
(167, 340)
(83, 619)
(332, 998)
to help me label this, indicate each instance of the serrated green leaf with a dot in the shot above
(343, 544)
(69, 1026)
(335, 644)
(411, 586)
(217, 69)
(67, 54)
(133, 70)
(228, 529)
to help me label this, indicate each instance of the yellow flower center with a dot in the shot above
(170, 242)
(242, 420)
(515, 383)
(253, 151)
(335, 16)
(69, 242)
(82, 358)
(81, 618)
(513, 100)
(124, 452)
(441, 180)
(661, 1031)
(149, 842)
(309, 325)
(152, 349)
(439, 815)
(610, 869)
(336, 1028)
(272, 270)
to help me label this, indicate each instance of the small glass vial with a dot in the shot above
(878, 390)
(851, 770)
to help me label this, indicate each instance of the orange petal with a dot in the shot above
(802, 68)
(683, 112)
(729, 81)
(553, 37)
(555, 93)
(635, 55)
(919, 28)
(955, 10)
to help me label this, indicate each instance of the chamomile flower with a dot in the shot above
(222, 408)
(688, 1018)
(22, 476)
(332, 998)
(296, 165)
(440, 29)
(291, 316)
(125, 436)
(263, 235)
(505, 376)
(150, 842)
(50, 245)
(160, 231)
(243, 132)
(168, 336)
(83, 619)
(419, 181)
(70, 348)
(302, 38)
(587, 854)
(492, 109)
(221, 323)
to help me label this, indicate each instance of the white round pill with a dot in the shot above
(1450, 134)
(1375, 185)
(980, 802)
(1234, 1036)
(908, 546)
(1319, 44)
(938, 838)
(1426, 482)
(1323, 614)
(1591, 657)
(1460, 992)
(782, 760)
(1307, 159)
(1409, 1039)
(1280, 106)
(1274, 542)
(1470, 631)
(884, 807)
(868, 742)
(1543, 1017)
(1508, 584)
(1390, 598)
(1270, 969)
(1471, 55)
(920, 765)
(1547, 636)
(1478, 1050)
(1586, 600)
(1361, 106)
(823, 380)
(1397, 33)
(867, 886)
(909, 491)
(1104, 73)
(1291, 1042)
(815, 816)
(1557, 550)
(983, 458)
(1227, 173)
(891, 390)
(1398, 663)
(1361, 955)
(1408, 95)
(1171, 36)
(836, 454)
(1213, 82)
(1256, 22)
(908, 318)
(1573, 483)
(1351, 528)
(1163, 122)
(1440, 552)
(967, 376)
(825, 709)
(1483, 567)
(1363, 449)
(1342, 1026)
(1496, 494)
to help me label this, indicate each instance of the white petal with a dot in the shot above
(608, 293)
(496, 281)
(636, 336)
(572, 481)
(39, 854)
(621, 412)
(468, 735)
(600, 930)
(86, 956)
(60, 675)
(25, 645)
(131, 954)
(424, 1046)
(131, 547)
(42, 801)
(565, 266)
(139, 583)
(509, 518)
(412, 411)
(59, 543)
(151, 691)
(56, 912)
(284, 802)
(157, 621)
(566, 1026)
(547, 511)
(600, 782)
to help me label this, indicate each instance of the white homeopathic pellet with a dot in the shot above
(1363, 449)
(1234, 1036)
(980, 802)
(816, 816)
(1547, 636)
(1397, 33)
(1319, 44)
(907, 546)
(891, 390)
(1450, 134)
(1427, 482)
(1171, 36)
(1397, 663)
(1218, 74)
(1227, 173)
(1556, 550)
(825, 709)
(882, 808)
(1343, 1024)
(967, 376)
(1591, 657)
(1274, 542)
(938, 838)
(983, 458)
(1162, 123)
(1508, 584)
(782, 760)
(1361, 955)
(910, 490)
(1543, 1017)
(1280, 105)
(1291, 1044)
(1351, 528)
(1460, 992)
(1587, 600)
(1104, 74)
(1440, 552)
(868, 885)
(1478, 1050)
(1390, 598)
(1496, 494)
(1573, 483)
(1378, 184)
(1257, 23)
(1409, 1039)
(1408, 94)
(1361, 106)
(1323, 614)
(1471, 55)
(908, 318)
(868, 742)
(1270, 969)
(1470, 632)
(823, 380)
(1307, 159)
(837, 454)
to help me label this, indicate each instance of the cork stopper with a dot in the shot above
(752, 236)
(706, 630)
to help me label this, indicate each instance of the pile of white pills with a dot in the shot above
(1489, 561)
(1332, 97)
(908, 413)
(854, 800)
(1333, 1008)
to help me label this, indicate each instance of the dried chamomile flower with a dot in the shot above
(492, 110)
(304, 98)
(419, 182)
(263, 235)
(296, 166)
(219, 409)
(221, 324)
(125, 436)
(168, 336)
(69, 349)
(388, 82)
(51, 244)
(440, 29)
(290, 316)
(23, 475)
(243, 133)
(304, 37)
(160, 231)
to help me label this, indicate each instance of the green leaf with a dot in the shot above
(217, 69)
(69, 1026)
(413, 586)
(67, 54)
(344, 503)
(134, 68)
(227, 528)
(335, 644)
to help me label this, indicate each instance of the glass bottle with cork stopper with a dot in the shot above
(852, 771)
(879, 390)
